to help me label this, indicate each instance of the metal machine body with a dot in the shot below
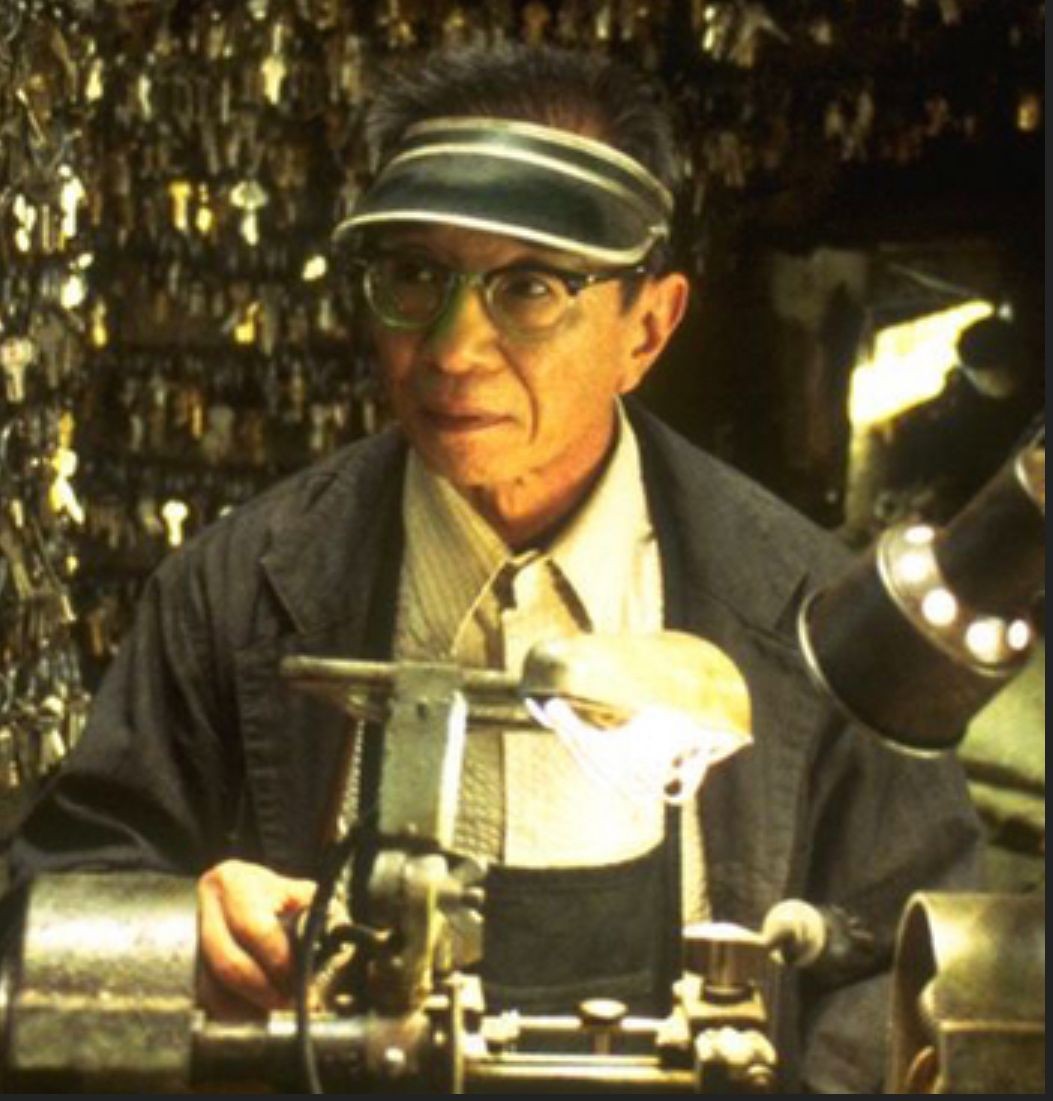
(100, 997)
(98, 992)
(120, 949)
(931, 623)
(969, 1000)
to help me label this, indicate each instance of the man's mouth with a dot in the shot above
(456, 419)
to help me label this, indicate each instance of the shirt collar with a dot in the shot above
(595, 552)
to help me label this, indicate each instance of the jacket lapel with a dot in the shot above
(331, 585)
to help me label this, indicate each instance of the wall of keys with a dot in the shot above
(173, 336)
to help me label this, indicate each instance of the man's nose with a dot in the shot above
(464, 339)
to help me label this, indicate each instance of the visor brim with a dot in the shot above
(526, 201)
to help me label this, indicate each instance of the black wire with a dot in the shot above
(335, 860)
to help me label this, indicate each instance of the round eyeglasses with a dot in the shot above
(526, 299)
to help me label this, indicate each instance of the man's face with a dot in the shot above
(488, 410)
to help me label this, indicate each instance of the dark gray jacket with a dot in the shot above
(197, 751)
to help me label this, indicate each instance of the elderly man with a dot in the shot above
(513, 257)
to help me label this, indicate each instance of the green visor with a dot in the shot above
(535, 183)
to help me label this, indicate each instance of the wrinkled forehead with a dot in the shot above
(533, 184)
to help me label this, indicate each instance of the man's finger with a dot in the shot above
(232, 966)
(261, 931)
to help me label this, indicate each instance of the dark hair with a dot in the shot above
(585, 93)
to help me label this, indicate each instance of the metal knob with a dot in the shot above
(601, 1017)
(729, 958)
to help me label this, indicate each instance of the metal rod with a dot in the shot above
(571, 1025)
(381, 674)
(501, 1073)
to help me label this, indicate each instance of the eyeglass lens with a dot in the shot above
(413, 292)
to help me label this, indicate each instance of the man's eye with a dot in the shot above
(529, 286)
(410, 272)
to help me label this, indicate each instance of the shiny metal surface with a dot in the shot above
(514, 1073)
(621, 675)
(928, 625)
(101, 999)
(968, 1003)
(608, 678)
(423, 752)
(728, 958)
(103, 995)
(364, 689)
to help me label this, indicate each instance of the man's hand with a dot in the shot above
(246, 949)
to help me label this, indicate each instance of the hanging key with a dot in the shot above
(157, 391)
(275, 66)
(174, 513)
(217, 439)
(62, 497)
(249, 197)
(536, 18)
(345, 59)
(568, 23)
(318, 432)
(72, 196)
(295, 392)
(252, 431)
(180, 192)
(99, 623)
(78, 705)
(150, 520)
(17, 354)
(52, 715)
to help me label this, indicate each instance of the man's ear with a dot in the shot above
(657, 313)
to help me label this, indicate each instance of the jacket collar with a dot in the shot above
(334, 533)
(342, 522)
(315, 561)
(334, 543)
(713, 526)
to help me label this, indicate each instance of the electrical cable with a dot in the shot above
(335, 860)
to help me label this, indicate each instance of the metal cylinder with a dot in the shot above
(993, 553)
(968, 1005)
(100, 989)
(922, 631)
(874, 642)
(730, 958)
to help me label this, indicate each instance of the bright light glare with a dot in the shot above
(939, 607)
(985, 638)
(914, 567)
(314, 268)
(1019, 635)
(670, 753)
(920, 535)
(909, 364)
